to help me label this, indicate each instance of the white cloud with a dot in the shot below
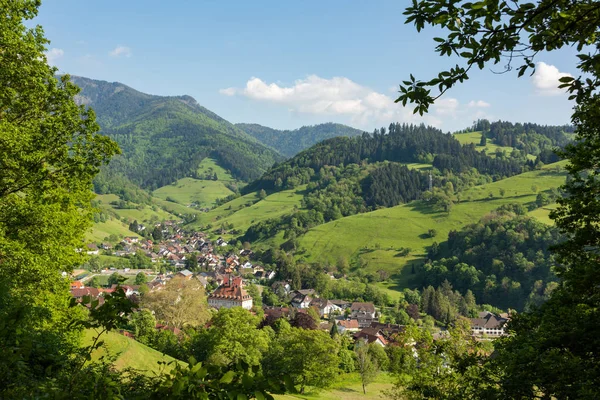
(54, 54)
(120, 51)
(545, 79)
(338, 96)
(228, 91)
(478, 104)
(342, 98)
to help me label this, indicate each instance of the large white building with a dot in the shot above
(230, 294)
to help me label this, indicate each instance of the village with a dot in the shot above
(225, 276)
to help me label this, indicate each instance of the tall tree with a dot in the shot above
(182, 302)
(554, 349)
(49, 153)
(309, 357)
(365, 365)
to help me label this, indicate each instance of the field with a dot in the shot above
(245, 211)
(101, 230)
(209, 165)
(347, 387)
(490, 148)
(128, 352)
(188, 190)
(144, 215)
(377, 237)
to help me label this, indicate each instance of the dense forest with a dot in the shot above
(400, 143)
(290, 143)
(165, 138)
(504, 259)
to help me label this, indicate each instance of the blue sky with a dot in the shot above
(287, 64)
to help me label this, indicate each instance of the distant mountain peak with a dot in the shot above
(291, 142)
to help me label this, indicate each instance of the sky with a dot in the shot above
(287, 64)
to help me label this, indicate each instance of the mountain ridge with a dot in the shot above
(164, 138)
(291, 142)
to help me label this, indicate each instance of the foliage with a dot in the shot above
(182, 302)
(399, 143)
(309, 357)
(233, 336)
(366, 366)
(50, 151)
(504, 260)
(561, 334)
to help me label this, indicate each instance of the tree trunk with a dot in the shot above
(364, 389)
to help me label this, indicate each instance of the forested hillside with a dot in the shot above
(291, 142)
(504, 259)
(400, 143)
(538, 140)
(165, 138)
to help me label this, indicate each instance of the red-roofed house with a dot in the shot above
(77, 285)
(230, 294)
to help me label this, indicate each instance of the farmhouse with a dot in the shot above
(364, 313)
(488, 324)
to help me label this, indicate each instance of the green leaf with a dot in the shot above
(228, 377)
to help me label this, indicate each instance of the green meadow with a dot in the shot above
(377, 237)
(246, 210)
(490, 148)
(347, 387)
(189, 190)
(128, 353)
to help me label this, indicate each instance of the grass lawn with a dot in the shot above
(418, 166)
(490, 148)
(174, 208)
(245, 211)
(348, 387)
(102, 230)
(543, 213)
(128, 352)
(209, 165)
(188, 190)
(376, 237)
(145, 214)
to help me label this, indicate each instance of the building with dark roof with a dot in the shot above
(488, 324)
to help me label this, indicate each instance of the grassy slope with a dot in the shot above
(241, 216)
(188, 190)
(348, 387)
(130, 354)
(204, 192)
(491, 148)
(101, 230)
(375, 237)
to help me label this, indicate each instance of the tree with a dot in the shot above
(559, 331)
(94, 282)
(157, 233)
(365, 365)
(140, 278)
(309, 357)
(191, 262)
(262, 194)
(304, 321)
(144, 326)
(182, 302)
(50, 152)
(115, 279)
(483, 141)
(234, 336)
